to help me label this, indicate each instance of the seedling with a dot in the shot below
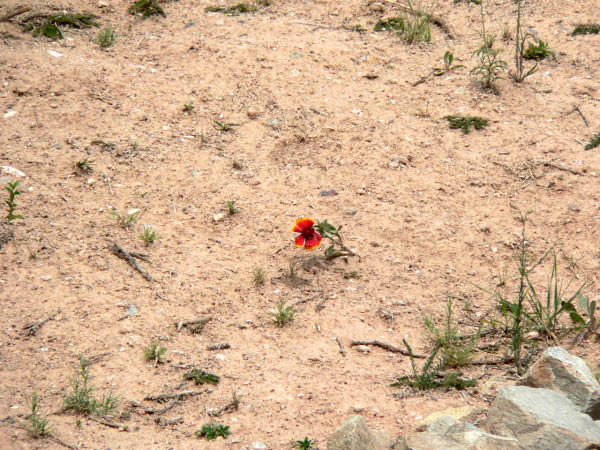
(304, 444)
(586, 28)
(520, 39)
(85, 165)
(126, 221)
(240, 8)
(201, 377)
(538, 51)
(212, 432)
(490, 65)
(231, 208)
(106, 38)
(223, 126)
(391, 24)
(466, 122)
(358, 28)
(154, 353)
(148, 235)
(49, 25)
(188, 108)
(12, 190)
(283, 314)
(594, 142)
(38, 423)
(259, 277)
(81, 400)
(448, 59)
(147, 8)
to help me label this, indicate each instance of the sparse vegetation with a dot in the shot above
(283, 314)
(50, 25)
(38, 424)
(586, 28)
(358, 28)
(188, 108)
(538, 51)
(521, 37)
(81, 401)
(85, 165)
(126, 220)
(231, 208)
(212, 432)
(147, 8)
(448, 59)
(391, 24)
(240, 8)
(154, 352)
(304, 444)
(466, 122)
(259, 276)
(148, 235)
(417, 27)
(13, 191)
(201, 377)
(490, 65)
(594, 142)
(106, 37)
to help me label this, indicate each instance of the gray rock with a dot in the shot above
(355, 434)
(569, 375)
(541, 419)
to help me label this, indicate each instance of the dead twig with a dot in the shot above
(224, 346)
(178, 396)
(388, 347)
(232, 406)
(576, 108)
(32, 328)
(341, 344)
(16, 12)
(109, 424)
(157, 412)
(195, 326)
(131, 259)
(162, 422)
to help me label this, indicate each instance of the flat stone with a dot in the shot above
(455, 413)
(355, 434)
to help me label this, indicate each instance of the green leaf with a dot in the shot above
(576, 318)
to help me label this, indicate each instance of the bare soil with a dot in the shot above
(317, 107)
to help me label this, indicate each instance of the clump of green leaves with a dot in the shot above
(586, 28)
(148, 235)
(13, 191)
(448, 59)
(106, 37)
(431, 375)
(456, 351)
(84, 165)
(466, 122)
(38, 423)
(212, 432)
(594, 142)
(304, 444)
(259, 276)
(81, 400)
(390, 24)
(201, 377)
(188, 108)
(49, 25)
(283, 314)
(154, 352)
(126, 220)
(231, 208)
(538, 51)
(358, 28)
(337, 247)
(147, 8)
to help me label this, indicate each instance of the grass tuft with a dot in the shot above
(81, 400)
(154, 353)
(586, 28)
(106, 37)
(38, 424)
(283, 314)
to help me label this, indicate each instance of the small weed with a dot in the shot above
(353, 274)
(589, 307)
(506, 34)
(431, 376)
(231, 208)
(148, 235)
(417, 28)
(212, 432)
(234, 10)
(520, 39)
(490, 65)
(594, 142)
(337, 247)
(538, 51)
(448, 59)
(81, 400)
(106, 37)
(586, 28)
(224, 127)
(126, 221)
(304, 444)
(358, 28)
(49, 26)
(201, 377)
(38, 424)
(103, 144)
(283, 314)
(85, 165)
(188, 108)
(466, 122)
(154, 353)
(147, 8)
(391, 24)
(259, 277)
(13, 191)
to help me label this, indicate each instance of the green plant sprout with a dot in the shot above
(211, 432)
(304, 444)
(283, 314)
(259, 276)
(106, 37)
(13, 191)
(81, 400)
(466, 122)
(148, 235)
(594, 142)
(201, 377)
(154, 353)
(224, 127)
(85, 165)
(448, 59)
(538, 51)
(128, 220)
(231, 208)
(38, 423)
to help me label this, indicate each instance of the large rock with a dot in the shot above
(448, 434)
(562, 372)
(355, 434)
(541, 419)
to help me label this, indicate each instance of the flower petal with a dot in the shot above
(313, 241)
(300, 241)
(303, 224)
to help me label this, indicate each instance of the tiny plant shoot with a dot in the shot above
(13, 191)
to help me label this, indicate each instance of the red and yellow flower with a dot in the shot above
(309, 238)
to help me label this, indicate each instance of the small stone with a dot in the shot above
(194, 172)
(532, 335)
(328, 193)
(363, 349)
(350, 212)
(133, 211)
(46, 277)
(11, 171)
(274, 123)
(90, 181)
(253, 113)
(358, 408)
(218, 217)
(258, 445)
(377, 7)
(220, 357)
(10, 113)
(21, 89)
(55, 54)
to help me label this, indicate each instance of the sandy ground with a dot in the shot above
(318, 107)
